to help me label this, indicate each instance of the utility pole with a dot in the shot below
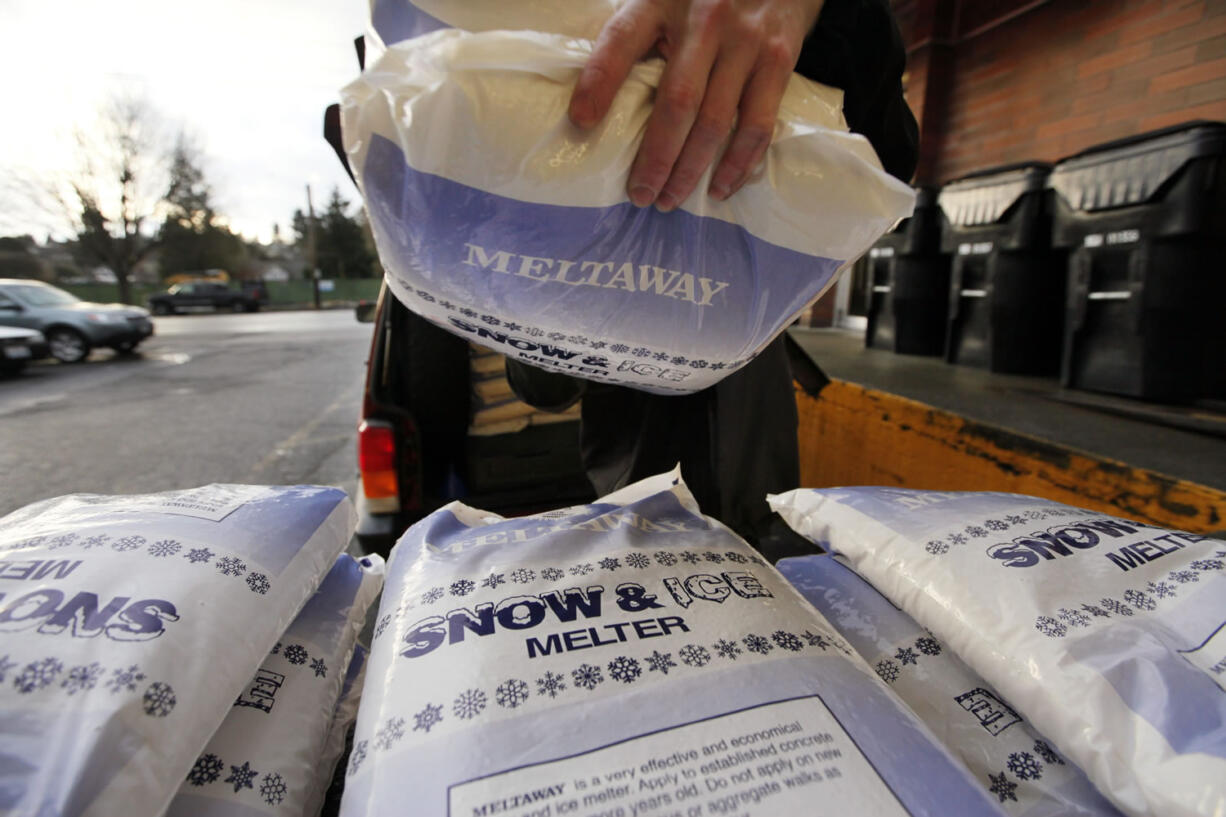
(311, 261)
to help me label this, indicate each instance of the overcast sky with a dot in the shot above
(249, 79)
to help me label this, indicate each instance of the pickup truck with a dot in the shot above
(202, 295)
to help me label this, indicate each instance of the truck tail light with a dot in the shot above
(377, 464)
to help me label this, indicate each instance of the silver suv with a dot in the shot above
(72, 327)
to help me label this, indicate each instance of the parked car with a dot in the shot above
(203, 295)
(415, 448)
(18, 347)
(71, 326)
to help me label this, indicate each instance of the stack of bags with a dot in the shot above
(496, 409)
(184, 653)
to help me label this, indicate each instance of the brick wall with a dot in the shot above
(1000, 81)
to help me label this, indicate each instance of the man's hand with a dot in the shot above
(726, 62)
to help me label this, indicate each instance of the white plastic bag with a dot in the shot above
(1011, 761)
(631, 656)
(265, 757)
(500, 221)
(1106, 634)
(393, 21)
(128, 626)
(342, 721)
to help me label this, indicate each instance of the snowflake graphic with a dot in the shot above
(1002, 787)
(660, 662)
(1160, 590)
(976, 531)
(165, 547)
(1073, 618)
(382, 625)
(1015, 519)
(1050, 627)
(276, 650)
(690, 557)
(957, 539)
(936, 547)
(319, 668)
(390, 733)
(1140, 599)
(159, 700)
(551, 684)
(815, 640)
(1095, 611)
(1024, 766)
(714, 558)
(432, 595)
(468, 313)
(462, 587)
(533, 332)
(231, 566)
(37, 674)
(493, 580)
(727, 649)
(906, 655)
(719, 365)
(1043, 750)
(95, 541)
(661, 356)
(206, 770)
(241, 776)
(582, 569)
(511, 693)
(699, 364)
(427, 719)
(664, 558)
(928, 645)
(787, 641)
(887, 670)
(758, 644)
(61, 541)
(1117, 607)
(80, 678)
(637, 560)
(1183, 576)
(694, 656)
(511, 326)
(1207, 564)
(469, 704)
(125, 679)
(733, 556)
(609, 563)
(128, 543)
(599, 344)
(551, 574)
(198, 555)
(357, 756)
(624, 669)
(448, 305)
(522, 575)
(258, 583)
(579, 340)
(557, 336)
(296, 654)
(619, 348)
(641, 351)
(586, 676)
(996, 524)
(273, 789)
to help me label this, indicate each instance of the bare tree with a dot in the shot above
(118, 187)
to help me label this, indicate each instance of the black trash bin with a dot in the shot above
(1006, 289)
(908, 284)
(1144, 219)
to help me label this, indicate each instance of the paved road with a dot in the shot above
(264, 398)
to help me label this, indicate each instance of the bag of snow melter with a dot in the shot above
(498, 220)
(130, 624)
(1012, 762)
(1105, 634)
(631, 656)
(265, 757)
